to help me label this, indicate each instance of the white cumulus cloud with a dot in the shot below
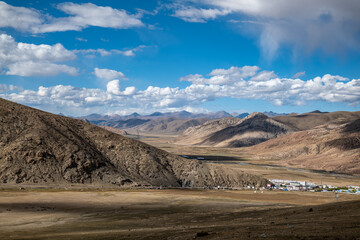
(248, 82)
(113, 87)
(108, 74)
(24, 59)
(9, 88)
(129, 91)
(20, 18)
(200, 15)
(80, 16)
(223, 76)
(30, 68)
(237, 83)
(103, 52)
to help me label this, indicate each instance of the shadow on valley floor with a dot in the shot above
(329, 221)
(214, 158)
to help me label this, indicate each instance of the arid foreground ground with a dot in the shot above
(177, 214)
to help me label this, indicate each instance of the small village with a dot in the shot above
(292, 185)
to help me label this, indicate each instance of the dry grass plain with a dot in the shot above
(177, 214)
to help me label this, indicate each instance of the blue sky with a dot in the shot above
(119, 57)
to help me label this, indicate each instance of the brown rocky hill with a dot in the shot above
(330, 147)
(196, 135)
(168, 125)
(39, 147)
(115, 130)
(308, 121)
(233, 132)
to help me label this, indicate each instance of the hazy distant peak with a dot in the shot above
(135, 114)
(318, 111)
(155, 114)
(273, 114)
(243, 115)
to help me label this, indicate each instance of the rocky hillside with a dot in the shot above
(168, 125)
(197, 134)
(163, 125)
(115, 130)
(234, 132)
(308, 121)
(39, 147)
(121, 124)
(330, 147)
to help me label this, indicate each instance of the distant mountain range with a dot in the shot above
(155, 115)
(180, 114)
(160, 123)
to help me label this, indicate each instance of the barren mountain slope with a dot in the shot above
(330, 147)
(39, 147)
(168, 125)
(196, 135)
(233, 132)
(308, 121)
(127, 123)
(115, 130)
(160, 125)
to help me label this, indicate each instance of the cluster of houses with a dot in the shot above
(288, 185)
(291, 185)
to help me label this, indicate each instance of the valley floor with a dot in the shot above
(176, 214)
(243, 159)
